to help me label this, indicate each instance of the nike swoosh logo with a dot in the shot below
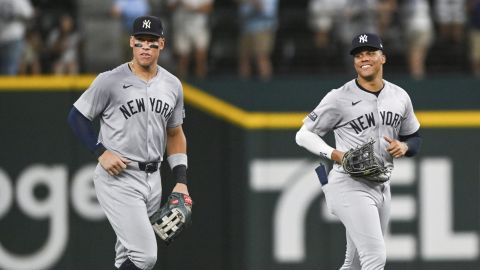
(355, 103)
(127, 86)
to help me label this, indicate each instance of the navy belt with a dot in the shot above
(148, 167)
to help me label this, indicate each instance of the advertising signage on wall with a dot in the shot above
(258, 202)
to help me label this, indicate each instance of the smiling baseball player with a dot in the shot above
(140, 106)
(367, 113)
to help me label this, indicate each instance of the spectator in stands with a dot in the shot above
(13, 18)
(258, 20)
(127, 11)
(474, 15)
(30, 62)
(63, 45)
(451, 17)
(191, 34)
(385, 12)
(322, 16)
(418, 27)
(358, 16)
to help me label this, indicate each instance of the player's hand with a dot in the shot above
(396, 148)
(337, 156)
(113, 163)
(180, 188)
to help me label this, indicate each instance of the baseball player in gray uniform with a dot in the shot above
(140, 106)
(363, 109)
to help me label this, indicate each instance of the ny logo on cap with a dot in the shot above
(363, 39)
(146, 24)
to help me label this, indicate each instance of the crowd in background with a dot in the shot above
(34, 44)
(268, 36)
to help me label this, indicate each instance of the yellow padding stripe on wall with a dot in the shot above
(449, 119)
(293, 120)
(45, 83)
(226, 111)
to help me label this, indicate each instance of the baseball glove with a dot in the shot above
(361, 162)
(173, 217)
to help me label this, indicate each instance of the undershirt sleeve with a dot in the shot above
(414, 141)
(82, 127)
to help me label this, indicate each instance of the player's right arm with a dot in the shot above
(91, 104)
(316, 145)
(82, 127)
(319, 122)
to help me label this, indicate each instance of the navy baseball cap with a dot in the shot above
(147, 25)
(368, 40)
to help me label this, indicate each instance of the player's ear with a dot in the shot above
(384, 58)
(161, 43)
(132, 41)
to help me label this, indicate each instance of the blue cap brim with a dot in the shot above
(146, 34)
(371, 48)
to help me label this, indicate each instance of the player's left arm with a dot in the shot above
(177, 157)
(413, 142)
(408, 145)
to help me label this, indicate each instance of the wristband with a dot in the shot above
(180, 173)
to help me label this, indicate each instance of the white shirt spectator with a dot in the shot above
(13, 14)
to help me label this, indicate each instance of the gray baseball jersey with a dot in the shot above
(356, 116)
(134, 113)
(134, 117)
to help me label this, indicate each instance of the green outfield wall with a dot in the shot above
(258, 204)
